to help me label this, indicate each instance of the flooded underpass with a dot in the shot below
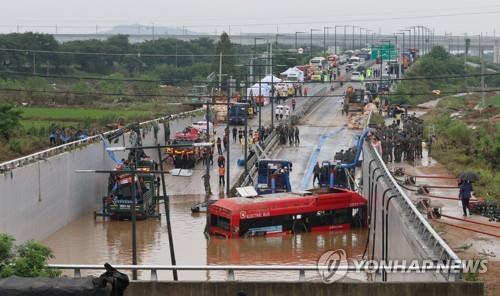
(95, 241)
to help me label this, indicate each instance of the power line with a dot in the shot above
(315, 21)
(135, 54)
(96, 78)
(209, 96)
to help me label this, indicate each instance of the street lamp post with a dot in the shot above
(414, 28)
(345, 37)
(325, 30)
(360, 38)
(296, 33)
(409, 38)
(335, 42)
(353, 26)
(311, 40)
(400, 49)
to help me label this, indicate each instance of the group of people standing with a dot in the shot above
(288, 134)
(396, 145)
(59, 136)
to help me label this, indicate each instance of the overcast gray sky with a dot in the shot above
(289, 16)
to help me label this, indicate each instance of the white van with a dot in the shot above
(319, 62)
(354, 59)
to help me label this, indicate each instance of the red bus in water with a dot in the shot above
(282, 213)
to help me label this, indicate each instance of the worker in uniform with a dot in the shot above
(429, 145)
(316, 172)
(291, 134)
(297, 140)
(345, 106)
(219, 145)
(398, 149)
(240, 135)
(221, 161)
(225, 141)
(235, 132)
(206, 184)
(385, 148)
(211, 157)
(184, 160)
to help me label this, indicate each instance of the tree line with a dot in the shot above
(165, 59)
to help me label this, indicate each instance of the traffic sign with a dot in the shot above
(386, 51)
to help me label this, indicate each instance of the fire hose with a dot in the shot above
(463, 227)
(469, 229)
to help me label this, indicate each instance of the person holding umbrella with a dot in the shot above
(465, 191)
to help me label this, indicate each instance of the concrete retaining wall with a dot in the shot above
(41, 197)
(410, 236)
(301, 289)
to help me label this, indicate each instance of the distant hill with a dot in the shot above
(148, 29)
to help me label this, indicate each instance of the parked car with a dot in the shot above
(355, 76)
(202, 126)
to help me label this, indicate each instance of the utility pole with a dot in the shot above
(465, 60)
(482, 72)
(246, 137)
(34, 62)
(228, 162)
(325, 31)
(311, 41)
(335, 39)
(272, 91)
(220, 75)
(360, 29)
(345, 38)
(353, 26)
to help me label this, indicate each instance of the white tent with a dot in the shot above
(265, 91)
(296, 72)
(270, 78)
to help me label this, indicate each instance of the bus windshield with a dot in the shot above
(220, 222)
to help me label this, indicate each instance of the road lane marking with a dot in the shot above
(315, 155)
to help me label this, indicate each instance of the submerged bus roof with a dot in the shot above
(345, 198)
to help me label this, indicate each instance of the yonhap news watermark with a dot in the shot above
(334, 265)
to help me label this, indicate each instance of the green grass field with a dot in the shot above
(493, 101)
(77, 114)
(27, 124)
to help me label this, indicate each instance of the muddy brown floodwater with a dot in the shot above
(90, 241)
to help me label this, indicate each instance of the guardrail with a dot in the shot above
(230, 269)
(41, 155)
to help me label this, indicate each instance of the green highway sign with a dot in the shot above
(386, 51)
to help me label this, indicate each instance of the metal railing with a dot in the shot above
(41, 155)
(231, 269)
(433, 244)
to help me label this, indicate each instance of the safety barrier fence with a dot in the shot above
(321, 270)
(41, 155)
(397, 228)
